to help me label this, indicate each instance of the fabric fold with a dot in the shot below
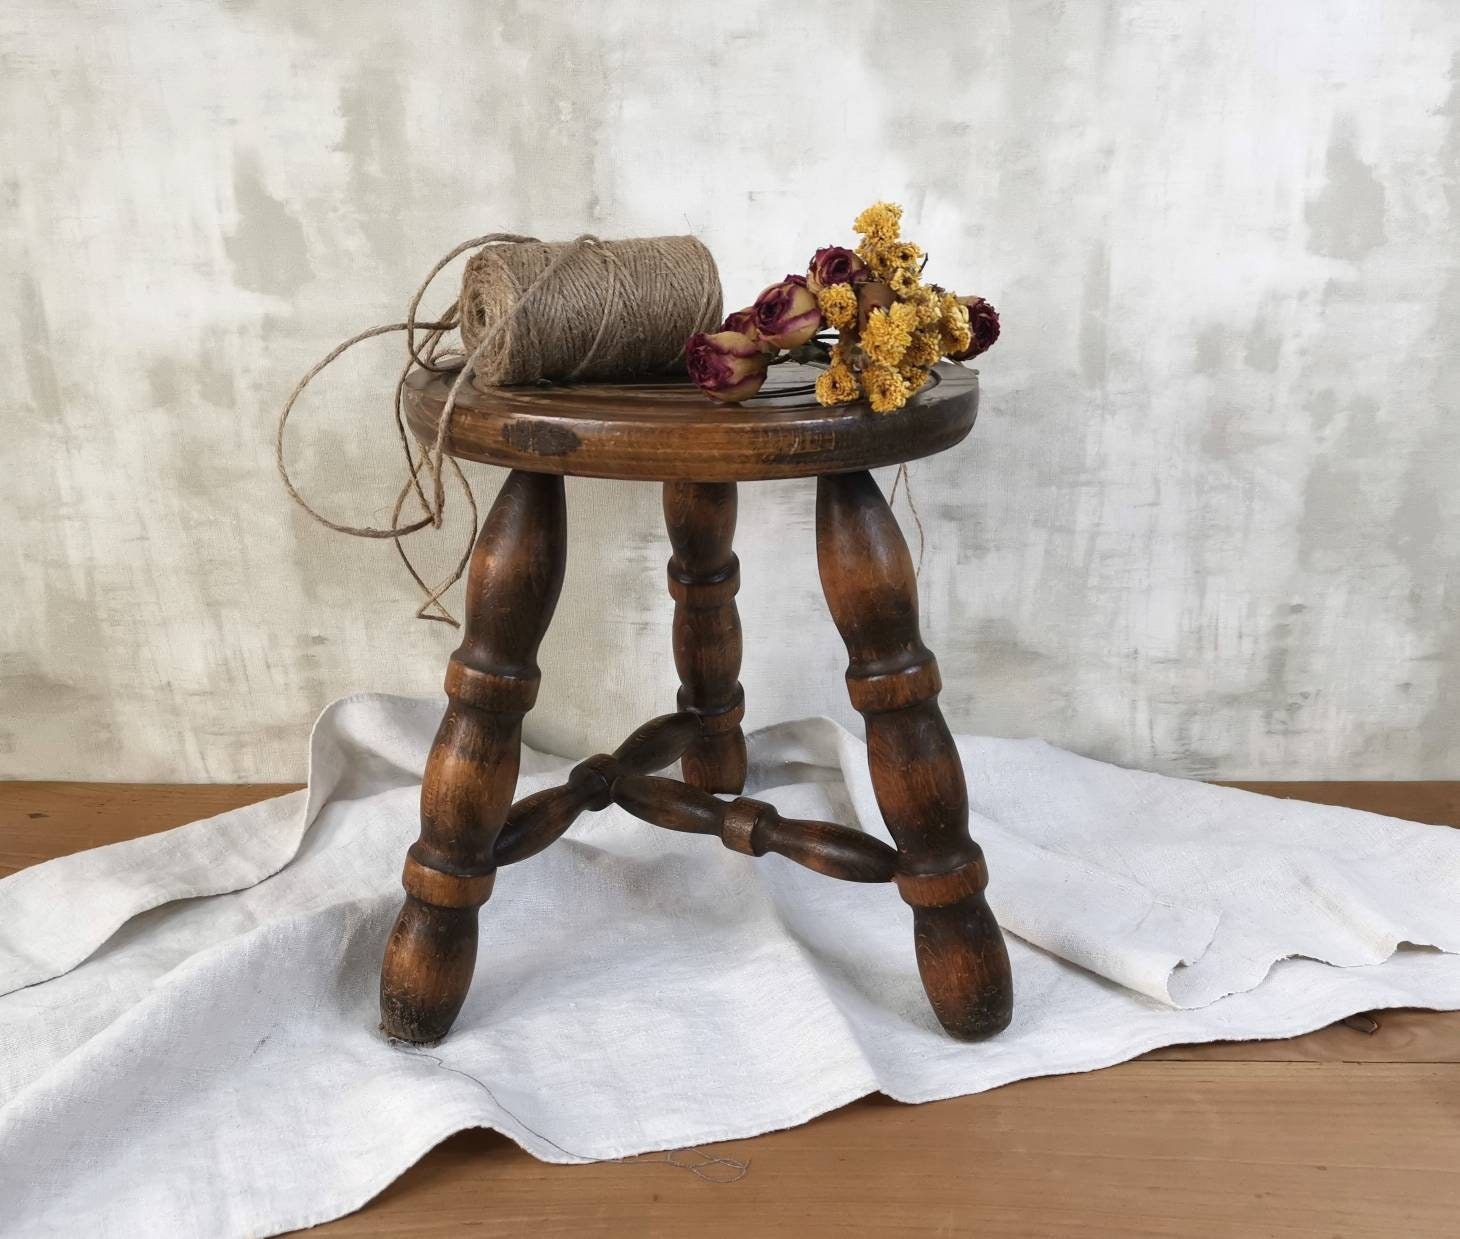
(191, 1016)
(42, 932)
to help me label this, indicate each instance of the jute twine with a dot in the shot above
(528, 311)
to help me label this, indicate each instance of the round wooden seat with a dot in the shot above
(663, 430)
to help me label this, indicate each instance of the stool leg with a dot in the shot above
(892, 679)
(491, 682)
(704, 576)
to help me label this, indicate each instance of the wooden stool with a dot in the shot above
(669, 432)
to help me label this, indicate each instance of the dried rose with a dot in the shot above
(726, 365)
(832, 264)
(983, 327)
(742, 321)
(786, 314)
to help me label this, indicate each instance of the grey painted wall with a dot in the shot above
(1207, 522)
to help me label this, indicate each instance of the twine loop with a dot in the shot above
(528, 312)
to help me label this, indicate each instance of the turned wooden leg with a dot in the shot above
(703, 578)
(892, 679)
(512, 586)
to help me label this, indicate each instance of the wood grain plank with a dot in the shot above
(1435, 800)
(43, 820)
(1145, 1149)
(1403, 1036)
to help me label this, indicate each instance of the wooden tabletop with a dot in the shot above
(1338, 1133)
(668, 430)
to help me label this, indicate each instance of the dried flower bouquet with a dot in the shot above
(865, 313)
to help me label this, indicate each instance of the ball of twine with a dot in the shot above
(529, 312)
(613, 310)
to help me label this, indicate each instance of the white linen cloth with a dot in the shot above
(188, 1032)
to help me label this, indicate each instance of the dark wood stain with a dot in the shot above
(668, 432)
(540, 438)
(513, 583)
(704, 577)
(867, 576)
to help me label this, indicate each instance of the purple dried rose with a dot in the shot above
(726, 365)
(983, 326)
(833, 264)
(786, 314)
(742, 321)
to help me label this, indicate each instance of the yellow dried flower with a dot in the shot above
(951, 310)
(906, 254)
(925, 301)
(838, 306)
(893, 262)
(886, 389)
(884, 339)
(954, 324)
(879, 222)
(893, 330)
(838, 385)
(875, 255)
(904, 316)
(913, 376)
(925, 349)
(904, 282)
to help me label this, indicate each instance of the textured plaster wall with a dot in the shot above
(1207, 522)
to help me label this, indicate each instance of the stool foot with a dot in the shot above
(491, 682)
(965, 968)
(704, 576)
(429, 961)
(867, 576)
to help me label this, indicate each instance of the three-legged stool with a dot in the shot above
(668, 432)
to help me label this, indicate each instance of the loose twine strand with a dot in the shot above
(904, 479)
(635, 305)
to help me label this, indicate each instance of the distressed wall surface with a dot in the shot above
(1207, 522)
